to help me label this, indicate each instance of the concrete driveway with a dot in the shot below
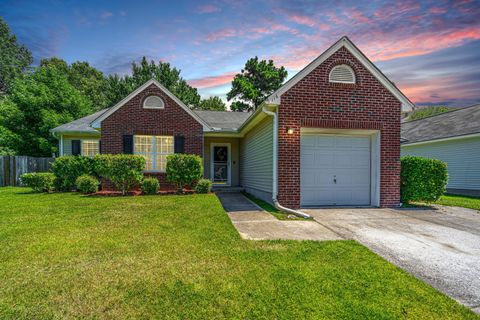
(441, 247)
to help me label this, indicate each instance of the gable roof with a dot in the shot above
(456, 123)
(223, 120)
(97, 122)
(82, 125)
(275, 97)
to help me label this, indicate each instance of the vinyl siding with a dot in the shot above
(256, 157)
(67, 142)
(462, 157)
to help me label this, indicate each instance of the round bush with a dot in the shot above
(87, 184)
(422, 179)
(184, 170)
(68, 168)
(203, 186)
(39, 181)
(123, 170)
(150, 186)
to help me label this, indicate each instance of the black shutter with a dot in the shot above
(179, 144)
(128, 144)
(76, 147)
(100, 146)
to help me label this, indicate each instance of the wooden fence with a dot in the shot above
(12, 167)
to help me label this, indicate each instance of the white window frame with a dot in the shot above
(154, 152)
(342, 65)
(89, 140)
(153, 96)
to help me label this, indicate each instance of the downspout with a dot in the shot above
(275, 170)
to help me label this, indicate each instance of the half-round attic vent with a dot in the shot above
(342, 74)
(153, 102)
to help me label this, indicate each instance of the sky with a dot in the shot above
(430, 49)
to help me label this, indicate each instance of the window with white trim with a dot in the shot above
(90, 147)
(342, 74)
(154, 149)
(153, 102)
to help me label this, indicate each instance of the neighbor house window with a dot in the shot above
(155, 150)
(153, 102)
(342, 74)
(90, 148)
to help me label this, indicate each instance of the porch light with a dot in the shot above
(289, 130)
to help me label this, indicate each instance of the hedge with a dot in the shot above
(39, 181)
(203, 186)
(87, 184)
(184, 170)
(68, 168)
(123, 170)
(422, 179)
(150, 186)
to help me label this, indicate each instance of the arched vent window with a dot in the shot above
(153, 102)
(342, 74)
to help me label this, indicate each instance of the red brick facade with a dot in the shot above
(314, 102)
(133, 119)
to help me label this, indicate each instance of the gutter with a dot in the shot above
(275, 170)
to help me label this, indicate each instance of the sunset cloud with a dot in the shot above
(212, 81)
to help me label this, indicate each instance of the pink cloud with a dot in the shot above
(212, 81)
(301, 19)
(437, 10)
(221, 34)
(357, 16)
(208, 8)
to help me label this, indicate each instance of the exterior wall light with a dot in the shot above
(289, 130)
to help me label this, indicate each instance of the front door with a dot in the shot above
(221, 164)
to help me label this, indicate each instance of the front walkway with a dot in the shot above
(253, 223)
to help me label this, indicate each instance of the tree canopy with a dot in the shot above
(427, 112)
(14, 58)
(213, 103)
(256, 81)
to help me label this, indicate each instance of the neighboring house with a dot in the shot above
(453, 137)
(329, 136)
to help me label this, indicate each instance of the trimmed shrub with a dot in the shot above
(203, 186)
(184, 170)
(422, 179)
(68, 168)
(123, 170)
(87, 184)
(150, 186)
(39, 181)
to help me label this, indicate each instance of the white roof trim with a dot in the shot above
(98, 121)
(407, 105)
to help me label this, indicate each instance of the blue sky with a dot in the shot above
(430, 49)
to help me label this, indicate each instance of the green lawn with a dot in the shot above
(179, 257)
(269, 208)
(460, 201)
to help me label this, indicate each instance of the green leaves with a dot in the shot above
(213, 103)
(184, 169)
(123, 170)
(255, 83)
(422, 179)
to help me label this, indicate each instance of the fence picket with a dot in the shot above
(12, 167)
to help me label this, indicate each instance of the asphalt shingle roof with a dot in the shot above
(223, 119)
(80, 125)
(220, 120)
(455, 123)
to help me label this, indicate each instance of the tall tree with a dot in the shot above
(163, 72)
(213, 103)
(254, 83)
(14, 58)
(87, 79)
(38, 102)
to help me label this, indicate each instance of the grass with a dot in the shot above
(459, 201)
(269, 208)
(179, 257)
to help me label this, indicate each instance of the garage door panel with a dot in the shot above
(345, 159)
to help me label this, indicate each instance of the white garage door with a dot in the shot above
(334, 170)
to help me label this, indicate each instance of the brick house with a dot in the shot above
(330, 136)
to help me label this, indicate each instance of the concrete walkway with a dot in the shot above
(253, 223)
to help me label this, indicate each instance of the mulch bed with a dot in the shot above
(111, 193)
